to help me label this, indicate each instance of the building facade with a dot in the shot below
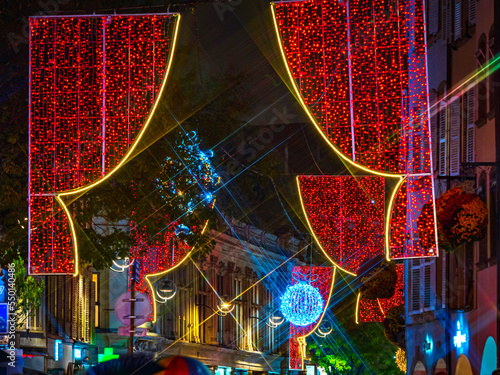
(451, 300)
(242, 342)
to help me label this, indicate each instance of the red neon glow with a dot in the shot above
(347, 216)
(93, 83)
(361, 72)
(375, 310)
(321, 278)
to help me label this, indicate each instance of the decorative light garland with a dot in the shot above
(302, 304)
(188, 180)
(94, 81)
(400, 359)
(360, 73)
(346, 215)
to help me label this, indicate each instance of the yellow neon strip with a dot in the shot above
(357, 308)
(314, 234)
(302, 339)
(310, 115)
(380, 306)
(337, 151)
(155, 311)
(388, 219)
(127, 155)
(161, 274)
(356, 314)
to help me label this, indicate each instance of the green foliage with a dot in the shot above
(354, 349)
(28, 292)
(327, 361)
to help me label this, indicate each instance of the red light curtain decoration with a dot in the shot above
(359, 70)
(375, 310)
(94, 83)
(322, 278)
(156, 254)
(346, 214)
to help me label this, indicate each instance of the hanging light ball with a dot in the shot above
(302, 304)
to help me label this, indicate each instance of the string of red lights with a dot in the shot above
(93, 83)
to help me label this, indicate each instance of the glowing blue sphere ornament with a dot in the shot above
(302, 304)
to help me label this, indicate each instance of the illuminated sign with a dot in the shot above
(58, 350)
(460, 338)
(4, 319)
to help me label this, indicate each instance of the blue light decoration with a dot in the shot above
(182, 229)
(302, 304)
(428, 344)
(58, 350)
(460, 338)
(78, 353)
(4, 319)
(189, 179)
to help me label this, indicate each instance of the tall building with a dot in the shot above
(451, 300)
(243, 342)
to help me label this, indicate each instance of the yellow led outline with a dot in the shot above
(356, 314)
(302, 339)
(400, 177)
(357, 308)
(314, 234)
(124, 159)
(165, 272)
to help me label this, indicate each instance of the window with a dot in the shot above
(455, 137)
(443, 144)
(446, 19)
(433, 17)
(423, 285)
(468, 126)
(481, 58)
(238, 314)
(457, 21)
(472, 12)
(95, 282)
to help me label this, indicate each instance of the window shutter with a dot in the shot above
(469, 141)
(433, 17)
(443, 145)
(445, 20)
(457, 30)
(434, 126)
(455, 137)
(472, 12)
(427, 285)
(415, 285)
(67, 303)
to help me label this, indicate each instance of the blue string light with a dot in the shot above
(188, 190)
(302, 304)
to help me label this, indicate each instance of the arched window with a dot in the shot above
(482, 93)
(463, 366)
(489, 361)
